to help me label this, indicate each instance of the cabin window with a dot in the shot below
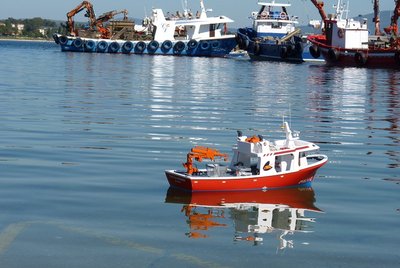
(212, 30)
(277, 25)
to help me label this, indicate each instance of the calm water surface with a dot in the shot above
(85, 138)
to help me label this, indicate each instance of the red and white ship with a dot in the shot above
(346, 42)
(256, 164)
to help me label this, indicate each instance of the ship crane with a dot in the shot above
(89, 13)
(393, 28)
(199, 153)
(320, 6)
(105, 33)
(377, 19)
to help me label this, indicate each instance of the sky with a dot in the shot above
(238, 10)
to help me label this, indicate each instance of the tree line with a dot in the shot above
(32, 28)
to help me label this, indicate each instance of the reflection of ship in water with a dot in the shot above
(253, 213)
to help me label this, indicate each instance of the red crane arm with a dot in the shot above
(199, 153)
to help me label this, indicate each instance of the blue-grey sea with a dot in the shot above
(85, 139)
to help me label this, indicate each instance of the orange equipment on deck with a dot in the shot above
(95, 24)
(199, 153)
(393, 28)
(89, 13)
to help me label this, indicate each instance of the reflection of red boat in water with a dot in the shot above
(253, 212)
(257, 163)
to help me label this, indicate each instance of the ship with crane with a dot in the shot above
(256, 164)
(347, 42)
(183, 34)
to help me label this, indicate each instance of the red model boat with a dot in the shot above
(256, 164)
(346, 42)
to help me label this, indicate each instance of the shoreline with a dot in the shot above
(25, 40)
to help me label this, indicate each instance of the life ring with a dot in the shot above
(204, 45)
(215, 44)
(283, 16)
(360, 58)
(397, 57)
(283, 52)
(152, 46)
(340, 33)
(333, 54)
(63, 40)
(315, 52)
(56, 39)
(140, 47)
(127, 47)
(179, 47)
(77, 43)
(166, 46)
(102, 46)
(89, 45)
(264, 15)
(192, 44)
(113, 47)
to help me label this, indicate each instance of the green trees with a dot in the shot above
(32, 28)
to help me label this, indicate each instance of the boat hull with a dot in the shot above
(238, 183)
(269, 50)
(369, 58)
(217, 47)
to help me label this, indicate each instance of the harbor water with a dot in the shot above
(85, 139)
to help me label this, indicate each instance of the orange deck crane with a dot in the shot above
(105, 33)
(95, 24)
(89, 13)
(199, 153)
(393, 28)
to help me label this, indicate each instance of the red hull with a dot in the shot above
(202, 183)
(303, 198)
(369, 58)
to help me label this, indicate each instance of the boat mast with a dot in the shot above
(377, 19)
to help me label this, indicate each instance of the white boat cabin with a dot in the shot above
(187, 26)
(255, 155)
(273, 19)
(344, 32)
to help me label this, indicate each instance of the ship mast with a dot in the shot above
(377, 19)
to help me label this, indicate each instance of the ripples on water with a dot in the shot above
(85, 139)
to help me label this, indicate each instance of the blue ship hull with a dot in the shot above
(265, 49)
(294, 50)
(203, 48)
